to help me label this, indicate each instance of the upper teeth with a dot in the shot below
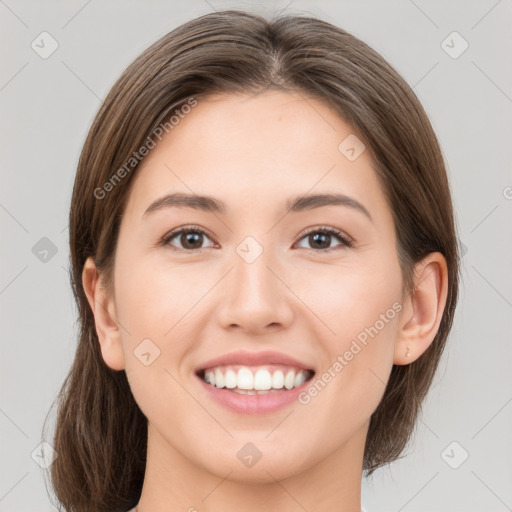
(242, 377)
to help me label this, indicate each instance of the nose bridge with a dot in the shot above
(255, 296)
(253, 279)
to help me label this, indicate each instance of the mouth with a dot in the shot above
(255, 383)
(255, 380)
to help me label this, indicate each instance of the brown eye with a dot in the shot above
(321, 239)
(190, 239)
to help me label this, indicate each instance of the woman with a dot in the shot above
(264, 259)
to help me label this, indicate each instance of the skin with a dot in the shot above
(254, 152)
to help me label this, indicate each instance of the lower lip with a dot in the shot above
(253, 404)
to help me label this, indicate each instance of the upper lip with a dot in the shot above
(254, 359)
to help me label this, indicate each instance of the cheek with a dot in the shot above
(151, 297)
(359, 309)
(350, 385)
(356, 359)
(348, 298)
(152, 303)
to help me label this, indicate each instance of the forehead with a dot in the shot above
(249, 149)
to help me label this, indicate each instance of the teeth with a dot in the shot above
(278, 379)
(300, 378)
(261, 382)
(253, 392)
(289, 379)
(245, 379)
(219, 378)
(230, 379)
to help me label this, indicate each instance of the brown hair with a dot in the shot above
(101, 434)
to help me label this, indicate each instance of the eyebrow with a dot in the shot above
(297, 204)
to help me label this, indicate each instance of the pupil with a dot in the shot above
(191, 239)
(322, 236)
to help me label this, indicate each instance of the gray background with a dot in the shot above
(47, 106)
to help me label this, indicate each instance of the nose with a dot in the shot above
(256, 298)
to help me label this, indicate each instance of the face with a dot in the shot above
(317, 286)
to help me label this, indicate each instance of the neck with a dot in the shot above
(333, 483)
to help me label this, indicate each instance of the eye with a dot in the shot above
(321, 238)
(190, 237)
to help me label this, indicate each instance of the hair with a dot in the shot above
(100, 432)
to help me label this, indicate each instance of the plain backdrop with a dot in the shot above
(461, 455)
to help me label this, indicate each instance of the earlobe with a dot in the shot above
(103, 307)
(423, 310)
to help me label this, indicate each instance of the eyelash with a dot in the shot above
(325, 230)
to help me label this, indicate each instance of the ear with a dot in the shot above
(423, 309)
(103, 308)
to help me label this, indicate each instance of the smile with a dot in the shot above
(252, 380)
